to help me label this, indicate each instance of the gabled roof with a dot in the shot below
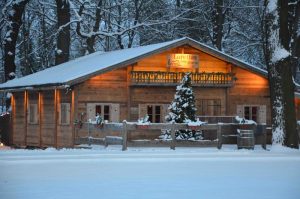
(85, 67)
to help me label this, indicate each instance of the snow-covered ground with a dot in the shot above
(150, 173)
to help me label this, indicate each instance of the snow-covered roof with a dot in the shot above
(85, 67)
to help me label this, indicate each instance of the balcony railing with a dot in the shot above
(203, 79)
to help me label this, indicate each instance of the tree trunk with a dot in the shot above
(218, 21)
(280, 72)
(63, 39)
(15, 22)
(295, 36)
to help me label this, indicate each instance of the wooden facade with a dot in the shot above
(47, 117)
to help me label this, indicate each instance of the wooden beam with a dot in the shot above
(219, 136)
(124, 135)
(173, 142)
(13, 115)
(25, 116)
(128, 94)
(40, 117)
(74, 111)
(35, 88)
(56, 93)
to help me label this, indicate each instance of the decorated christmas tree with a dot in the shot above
(183, 110)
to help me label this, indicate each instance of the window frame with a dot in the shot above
(154, 114)
(102, 114)
(250, 117)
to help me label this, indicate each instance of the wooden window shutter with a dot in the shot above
(262, 114)
(29, 114)
(142, 110)
(240, 110)
(90, 111)
(64, 113)
(165, 112)
(60, 113)
(115, 113)
(68, 114)
(32, 114)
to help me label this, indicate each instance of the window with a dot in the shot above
(103, 111)
(257, 113)
(108, 111)
(64, 113)
(209, 107)
(154, 113)
(33, 114)
(251, 113)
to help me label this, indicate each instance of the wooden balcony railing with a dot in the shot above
(173, 78)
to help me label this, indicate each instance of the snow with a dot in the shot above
(59, 52)
(150, 173)
(241, 120)
(196, 123)
(8, 95)
(143, 121)
(278, 52)
(98, 62)
(272, 6)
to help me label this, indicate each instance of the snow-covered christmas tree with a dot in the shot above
(182, 109)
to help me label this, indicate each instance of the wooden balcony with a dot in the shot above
(152, 78)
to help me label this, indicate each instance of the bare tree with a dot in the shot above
(63, 25)
(90, 36)
(218, 22)
(13, 27)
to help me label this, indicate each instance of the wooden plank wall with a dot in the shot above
(110, 87)
(249, 89)
(44, 133)
(159, 62)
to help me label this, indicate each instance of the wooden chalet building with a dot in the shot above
(128, 84)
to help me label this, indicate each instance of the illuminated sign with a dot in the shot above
(183, 61)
